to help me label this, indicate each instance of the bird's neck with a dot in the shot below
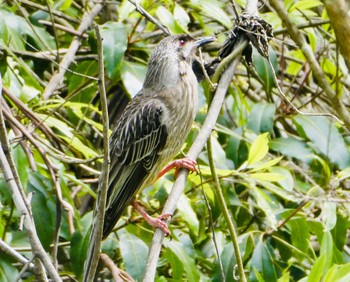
(165, 72)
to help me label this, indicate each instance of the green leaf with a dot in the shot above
(338, 273)
(339, 232)
(264, 70)
(22, 164)
(79, 245)
(318, 269)
(186, 261)
(292, 147)
(305, 5)
(8, 272)
(43, 208)
(329, 215)
(188, 214)
(181, 17)
(266, 165)
(324, 135)
(228, 261)
(259, 149)
(115, 41)
(133, 75)
(213, 9)
(167, 19)
(327, 249)
(134, 252)
(267, 176)
(261, 118)
(263, 262)
(15, 29)
(287, 182)
(300, 234)
(266, 204)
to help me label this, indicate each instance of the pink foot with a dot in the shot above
(155, 222)
(188, 163)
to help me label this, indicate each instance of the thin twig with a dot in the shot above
(143, 12)
(54, 12)
(211, 224)
(17, 256)
(99, 212)
(225, 212)
(292, 105)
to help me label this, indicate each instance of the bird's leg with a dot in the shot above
(188, 163)
(155, 222)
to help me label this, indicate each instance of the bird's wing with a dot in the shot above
(135, 144)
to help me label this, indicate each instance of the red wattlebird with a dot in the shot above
(153, 127)
(150, 132)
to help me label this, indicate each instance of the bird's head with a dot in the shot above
(165, 59)
(182, 46)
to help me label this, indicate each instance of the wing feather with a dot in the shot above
(135, 146)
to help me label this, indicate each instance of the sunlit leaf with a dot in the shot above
(259, 149)
(181, 17)
(318, 269)
(338, 273)
(266, 165)
(329, 215)
(305, 5)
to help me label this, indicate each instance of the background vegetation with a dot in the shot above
(284, 174)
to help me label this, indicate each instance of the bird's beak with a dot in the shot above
(203, 41)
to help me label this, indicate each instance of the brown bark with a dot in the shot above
(338, 12)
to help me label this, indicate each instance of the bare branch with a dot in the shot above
(99, 212)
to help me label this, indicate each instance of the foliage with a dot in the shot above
(284, 175)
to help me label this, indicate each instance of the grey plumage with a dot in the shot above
(154, 125)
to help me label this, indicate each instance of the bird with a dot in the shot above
(153, 127)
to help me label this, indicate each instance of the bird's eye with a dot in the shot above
(183, 42)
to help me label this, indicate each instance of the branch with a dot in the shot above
(143, 12)
(99, 212)
(225, 212)
(338, 13)
(73, 48)
(17, 256)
